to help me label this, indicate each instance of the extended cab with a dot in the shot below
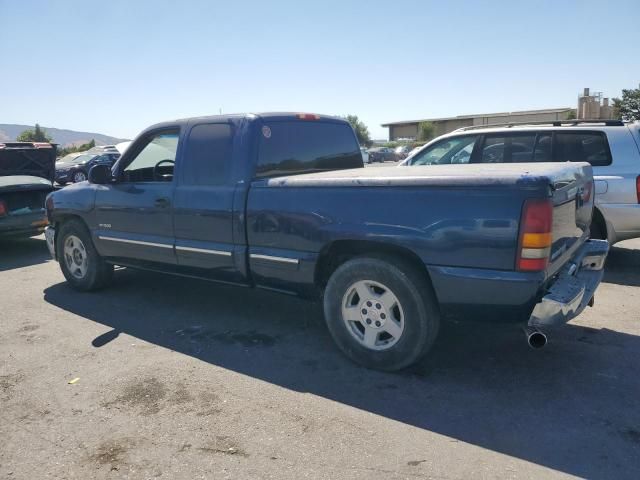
(26, 177)
(282, 202)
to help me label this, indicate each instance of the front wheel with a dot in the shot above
(80, 263)
(79, 176)
(381, 312)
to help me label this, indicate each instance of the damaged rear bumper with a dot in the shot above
(23, 225)
(574, 286)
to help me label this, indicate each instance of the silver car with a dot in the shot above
(612, 147)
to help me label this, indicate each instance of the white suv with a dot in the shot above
(612, 147)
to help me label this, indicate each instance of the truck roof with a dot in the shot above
(231, 116)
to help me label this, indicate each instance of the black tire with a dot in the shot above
(98, 273)
(597, 231)
(421, 316)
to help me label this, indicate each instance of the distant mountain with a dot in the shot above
(64, 138)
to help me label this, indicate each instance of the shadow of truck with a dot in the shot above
(572, 407)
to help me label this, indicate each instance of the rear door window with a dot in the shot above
(542, 150)
(208, 154)
(296, 147)
(449, 151)
(589, 147)
(501, 148)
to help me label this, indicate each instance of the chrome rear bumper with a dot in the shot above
(574, 286)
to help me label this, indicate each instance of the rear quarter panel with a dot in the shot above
(461, 227)
(616, 183)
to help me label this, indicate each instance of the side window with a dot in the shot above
(295, 147)
(493, 150)
(146, 166)
(516, 148)
(208, 154)
(589, 147)
(451, 150)
(542, 151)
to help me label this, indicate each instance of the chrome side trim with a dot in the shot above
(135, 242)
(257, 256)
(204, 250)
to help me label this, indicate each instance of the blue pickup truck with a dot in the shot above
(281, 201)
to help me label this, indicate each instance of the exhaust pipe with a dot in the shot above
(535, 338)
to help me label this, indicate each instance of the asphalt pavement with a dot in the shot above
(166, 377)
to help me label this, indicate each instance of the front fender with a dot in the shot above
(74, 200)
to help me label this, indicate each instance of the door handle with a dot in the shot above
(162, 202)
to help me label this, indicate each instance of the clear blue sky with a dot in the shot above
(117, 66)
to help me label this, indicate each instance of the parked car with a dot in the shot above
(414, 151)
(26, 177)
(382, 154)
(365, 155)
(281, 202)
(611, 147)
(76, 169)
(102, 149)
(402, 151)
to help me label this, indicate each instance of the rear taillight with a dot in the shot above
(638, 188)
(3, 208)
(535, 242)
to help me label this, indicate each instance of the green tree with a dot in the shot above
(571, 115)
(87, 146)
(627, 107)
(36, 135)
(362, 132)
(76, 148)
(426, 131)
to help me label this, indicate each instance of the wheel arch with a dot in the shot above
(338, 252)
(60, 219)
(601, 223)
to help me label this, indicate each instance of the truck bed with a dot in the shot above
(539, 174)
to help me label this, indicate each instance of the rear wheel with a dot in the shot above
(80, 263)
(381, 312)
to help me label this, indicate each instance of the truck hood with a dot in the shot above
(27, 160)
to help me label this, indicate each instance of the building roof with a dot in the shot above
(480, 115)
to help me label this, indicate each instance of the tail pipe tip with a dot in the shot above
(535, 338)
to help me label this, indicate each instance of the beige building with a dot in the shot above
(409, 129)
(590, 106)
(594, 105)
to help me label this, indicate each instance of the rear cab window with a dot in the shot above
(294, 147)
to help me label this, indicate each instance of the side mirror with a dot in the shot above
(100, 174)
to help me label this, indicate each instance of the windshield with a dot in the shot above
(80, 159)
(68, 158)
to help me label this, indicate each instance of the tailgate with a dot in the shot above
(572, 196)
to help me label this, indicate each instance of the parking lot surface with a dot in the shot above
(168, 377)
